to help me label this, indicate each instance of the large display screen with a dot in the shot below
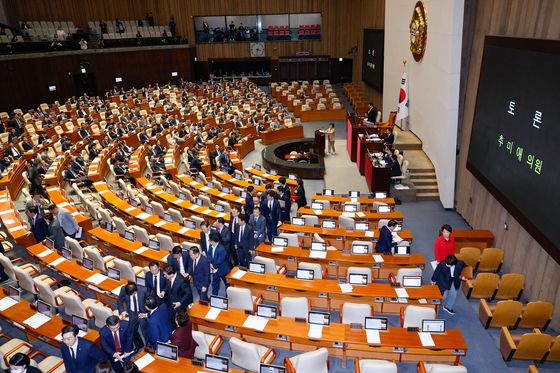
(514, 149)
(372, 58)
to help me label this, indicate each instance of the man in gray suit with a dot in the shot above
(66, 220)
(258, 222)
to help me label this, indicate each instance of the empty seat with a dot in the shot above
(440, 368)
(491, 260)
(528, 346)
(412, 316)
(359, 271)
(355, 313)
(483, 286)
(504, 313)
(249, 356)
(346, 222)
(269, 265)
(470, 255)
(536, 315)
(128, 272)
(295, 307)
(11, 347)
(311, 219)
(375, 366)
(207, 344)
(402, 272)
(101, 262)
(315, 267)
(241, 298)
(511, 286)
(314, 361)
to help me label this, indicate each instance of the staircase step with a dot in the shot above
(408, 146)
(426, 181)
(422, 170)
(422, 175)
(427, 196)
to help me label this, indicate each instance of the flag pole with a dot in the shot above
(403, 71)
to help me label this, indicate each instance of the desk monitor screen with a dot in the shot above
(243, 194)
(114, 273)
(412, 281)
(316, 205)
(44, 308)
(167, 351)
(219, 302)
(275, 185)
(319, 318)
(267, 368)
(219, 208)
(402, 250)
(329, 224)
(167, 217)
(298, 221)
(384, 209)
(168, 190)
(328, 192)
(190, 224)
(257, 181)
(182, 196)
(305, 274)
(14, 292)
(354, 194)
(80, 322)
(149, 210)
(350, 207)
(109, 227)
(140, 281)
(49, 243)
(280, 241)
(226, 190)
(433, 326)
(133, 202)
(217, 363)
(319, 246)
(357, 279)
(256, 267)
(274, 172)
(360, 249)
(66, 253)
(292, 177)
(153, 244)
(270, 312)
(87, 263)
(129, 235)
(238, 176)
(376, 323)
(210, 184)
(361, 226)
(380, 195)
(257, 167)
(199, 201)
(398, 227)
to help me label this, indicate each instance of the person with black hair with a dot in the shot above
(219, 263)
(159, 321)
(130, 304)
(55, 231)
(199, 272)
(182, 336)
(445, 243)
(244, 241)
(39, 227)
(178, 294)
(447, 276)
(385, 240)
(20, 363)
(79, 354)
(224, 232)
(179, 260)
(117, 341)
(271, 211)
(300, 193)
(249, 203)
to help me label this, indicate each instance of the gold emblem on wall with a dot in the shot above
(418, 31)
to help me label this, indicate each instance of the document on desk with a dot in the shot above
(373, 336)
(317, 212)
(97, 278)
(221, 195)
(37, 320)
(369, 234)
(348, 214)
(345, 288)
(204, 188)
(56, 262)
(9, 221)
(401, 293)
(7, 302)
(255, 322)
(45, 253)
(315, 331)
(117, 290)
(353, 199)
(144, 361)
(160, 223)
(238, 274)
(360, 214)
(183, 230)
(140, 250)
(221, 214)
(239, 200)
(159, 192)
(193, 207)
(129, 209)
(142, 216)
(276, 249)
(207, 211)
(317, 254)
(212, 314)
(378, 258)
(426, 339)
(433, 263)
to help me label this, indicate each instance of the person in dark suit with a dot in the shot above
(258, 224)
(219, 264)
(179, 260)
(84, 132)
(300, 193)
(159, 322)
(272, 214)
(216, 153)
(143, 137)
(385, 240)
(199, 272)
(447, 276)
(34, 176)
(130, 303)
(55, 232)
(390, 139)
(178, 294)
(225, 162)
(20, 363)
(116, 342)
(233, 227)
(39, 226)
(244, 242)
(156, 281)
(371, 113)
(284, 199)
(12, 151)
(224, 232)
(249, 203)
(79, 354)
(205, 236)
(182, 336)
(26, 144)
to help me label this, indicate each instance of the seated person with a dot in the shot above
(390, 139)
(395, 167)
(182, 336)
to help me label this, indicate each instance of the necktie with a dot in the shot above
(270, 205)
(73, 353)
(234, 224)
(117, 342)
(241, 233)
(155, 283)
(195, 264)
(135, 301)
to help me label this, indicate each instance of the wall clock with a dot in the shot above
(257, 49)
(418, 31)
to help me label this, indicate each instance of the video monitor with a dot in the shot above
(154, 244)
(350, 207)
(383, 209)
(328, 192)
(329, 224)
(219, 208)
(360, 249)
(167, 217)
(66, 253)
(357, 279)
(292, 177)
(80, 322)
(49, 243)
(319, 318)
(14, 293)
(361, 226)
(280, 241)
(226, 190)
(199, 201)
(402, 250)
(433, 326)
(372, 57)
(189, 224)
(274, 172)
(141, 281)
(255, 267)
(316, 205)
(109, 227)
(129, 235)
(149, 210)
(182, 196)
(305, 274)
(257, 181)
(267, 368)
(354, 194)
(217, 363)
(270, 312)
(380, 195)
(210, 184)
(376, 323)
(219, 302)
(243, 194)
(318, 246)
(298, 221)
(167, 351)
(133, 202)
(87, 263)
(257, 167)
(238, 176)
(114, 273)
(412, 281)
(44, 308)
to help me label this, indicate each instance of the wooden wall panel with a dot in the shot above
(516, 18)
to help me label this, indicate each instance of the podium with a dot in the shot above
(377, 178)
(319, 143)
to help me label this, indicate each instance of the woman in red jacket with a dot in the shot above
(182, 336)
(445, 243)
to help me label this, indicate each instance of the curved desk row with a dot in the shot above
(213, 193)
(272, 136)
(372, 217)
